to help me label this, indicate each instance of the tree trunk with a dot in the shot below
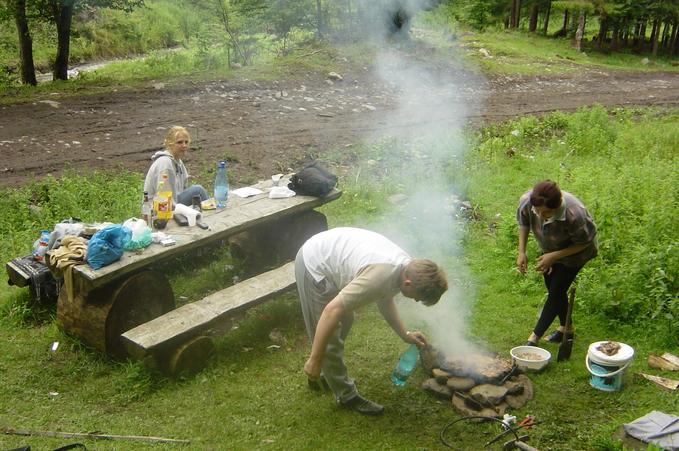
(665, 36)
(512, 14)
(637, 35)
(564, 27)
(63, 15)
(233, 36)
(580, 31)
(25, 44)
(515, 14)
(272, 244)
(572, 26)
(603, 31)
(654, 37)
(615, 37)
(584, 25)
(546, 23)
(100, 317)
(319, 20)
(674, 39)
(533, 23)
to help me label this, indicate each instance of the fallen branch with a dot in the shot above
(310, 53)
(142, 438)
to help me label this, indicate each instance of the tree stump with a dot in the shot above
(272, 244)
(188, 358)
(100, 316)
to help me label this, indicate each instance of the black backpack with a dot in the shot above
(312, 180)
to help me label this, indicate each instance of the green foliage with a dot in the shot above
(96, 197)
(574, 5)
(620, 164)
(591, 131)
(111, 33)
(20, 311)
(478, 14)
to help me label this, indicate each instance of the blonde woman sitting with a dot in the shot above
(177, 143)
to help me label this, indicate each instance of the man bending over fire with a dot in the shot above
(340, 270)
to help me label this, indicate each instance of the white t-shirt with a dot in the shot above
(339, 254)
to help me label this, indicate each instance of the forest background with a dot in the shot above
(238, 31)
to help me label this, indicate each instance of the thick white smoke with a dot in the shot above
(432, 103)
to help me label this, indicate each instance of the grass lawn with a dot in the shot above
(254, 396)
(522, 52)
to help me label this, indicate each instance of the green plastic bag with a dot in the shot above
(141, 234)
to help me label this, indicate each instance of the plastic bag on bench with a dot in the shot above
(141, 234)
(107, 245)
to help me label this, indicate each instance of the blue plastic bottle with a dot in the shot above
(221, 185)
(406, 365)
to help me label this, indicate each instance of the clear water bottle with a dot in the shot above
(41, 246)
(405, 366)
(147, 210)
(221, 185)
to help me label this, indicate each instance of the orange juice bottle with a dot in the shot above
(162, 201)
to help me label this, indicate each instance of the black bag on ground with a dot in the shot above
(312, 180)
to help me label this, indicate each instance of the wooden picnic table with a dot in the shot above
(107, 302)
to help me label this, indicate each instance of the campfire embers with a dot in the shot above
(476, 384)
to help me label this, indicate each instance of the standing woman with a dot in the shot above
(177, 143)
(566, 234)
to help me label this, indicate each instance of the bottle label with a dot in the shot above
(162, 207)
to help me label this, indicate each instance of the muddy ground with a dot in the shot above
(267, 127)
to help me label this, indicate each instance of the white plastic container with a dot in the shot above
(519, 357)
(607, 370)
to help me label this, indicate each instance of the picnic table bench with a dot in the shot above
(128, 308)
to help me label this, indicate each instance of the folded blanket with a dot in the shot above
(73, 251)
(658, 428)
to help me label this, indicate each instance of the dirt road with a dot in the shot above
(265, 128)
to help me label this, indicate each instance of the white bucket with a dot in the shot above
(607, 370)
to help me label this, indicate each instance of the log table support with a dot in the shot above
(271, 244)
(188, 358)
(100, 316)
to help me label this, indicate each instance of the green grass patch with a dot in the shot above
(253, 395)
(527, 53)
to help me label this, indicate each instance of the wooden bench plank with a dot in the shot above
(180, 324)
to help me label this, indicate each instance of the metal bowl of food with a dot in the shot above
(530, 358)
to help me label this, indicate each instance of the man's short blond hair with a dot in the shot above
(428, 279)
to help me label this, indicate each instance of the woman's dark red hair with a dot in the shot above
(546, 193)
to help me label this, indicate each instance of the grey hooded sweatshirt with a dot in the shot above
(176, 172)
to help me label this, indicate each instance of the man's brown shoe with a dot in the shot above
(362, 405)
